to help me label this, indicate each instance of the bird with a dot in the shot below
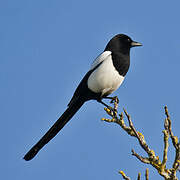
(105, 75)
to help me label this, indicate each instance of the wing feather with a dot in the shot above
(100, 58)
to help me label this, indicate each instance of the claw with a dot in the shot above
(115, 99)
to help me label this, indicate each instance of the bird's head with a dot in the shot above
(121, 43)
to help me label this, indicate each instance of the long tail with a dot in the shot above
(58, 125)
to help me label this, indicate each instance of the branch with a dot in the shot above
(168, 174)
(147, 174)
(124, 175)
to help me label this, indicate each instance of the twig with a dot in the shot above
(124, 175)
(142, 159)
(147, 174)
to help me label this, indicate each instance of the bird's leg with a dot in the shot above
(113, 99)
(100, 101)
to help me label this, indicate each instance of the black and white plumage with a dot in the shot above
(104, 77)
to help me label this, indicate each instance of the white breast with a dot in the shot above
(105, 79)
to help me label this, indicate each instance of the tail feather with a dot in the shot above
(58, 125)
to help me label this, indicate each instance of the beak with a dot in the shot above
(133, 44)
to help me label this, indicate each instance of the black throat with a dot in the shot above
(121, 62)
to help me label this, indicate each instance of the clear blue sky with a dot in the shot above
(46, 47)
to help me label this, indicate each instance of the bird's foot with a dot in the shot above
(114, 100)
(108, 108)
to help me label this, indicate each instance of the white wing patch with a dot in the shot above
(100, 58)
(105, 79)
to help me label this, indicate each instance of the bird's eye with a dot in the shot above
(129, 40)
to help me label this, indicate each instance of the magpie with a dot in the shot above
(106, 74)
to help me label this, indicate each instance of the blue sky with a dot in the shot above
(46, 48)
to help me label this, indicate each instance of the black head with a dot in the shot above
(121, 43)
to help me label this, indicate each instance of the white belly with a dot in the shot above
(105, 79)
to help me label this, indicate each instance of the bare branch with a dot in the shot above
(139, 176)
(166, 137)
(168, 174)
(124, 175)
(142, 159)
(147, 174)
